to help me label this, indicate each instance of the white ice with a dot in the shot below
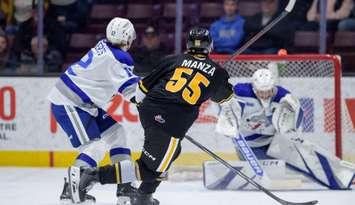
(33, 186)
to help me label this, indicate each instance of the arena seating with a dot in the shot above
(195, 12)
(344, 44)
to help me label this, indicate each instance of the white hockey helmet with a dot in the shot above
(263, 82)
(120, 31)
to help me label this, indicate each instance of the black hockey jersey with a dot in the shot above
(177, 87)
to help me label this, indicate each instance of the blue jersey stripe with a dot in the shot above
(242, 106)
(244, 90)
(281, 92)
(120, 150)
(70, 71)
(120, 55)
(86, 158)
(68, 82)
(128, 83)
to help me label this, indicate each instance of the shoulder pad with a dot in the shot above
(281, 92)
(244, 90)
(121, 56)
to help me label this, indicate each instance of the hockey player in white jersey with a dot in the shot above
(82, 94)
(268, 117)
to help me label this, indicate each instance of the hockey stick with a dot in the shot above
(268, 27)
(241, 174)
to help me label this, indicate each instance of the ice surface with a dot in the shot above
(32, 186)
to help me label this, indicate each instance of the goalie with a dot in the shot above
(268, 118)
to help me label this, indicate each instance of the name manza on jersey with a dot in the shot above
(103, 72)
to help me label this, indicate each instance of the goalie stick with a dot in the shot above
(268, 27)
(243, 148)
(241, 174)
(248, 154)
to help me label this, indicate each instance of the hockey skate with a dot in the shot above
(124, 192)
(138, 198)
(75, 193)
(65, 197)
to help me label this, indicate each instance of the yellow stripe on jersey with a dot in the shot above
(118, 176)
(168, 155)
(226, 99)
(138, 173)
(142, 87)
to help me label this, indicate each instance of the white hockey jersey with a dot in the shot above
(255, 120)
(92, 81)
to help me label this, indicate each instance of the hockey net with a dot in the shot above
(316, 80)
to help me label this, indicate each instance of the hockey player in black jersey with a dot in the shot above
(168, 103)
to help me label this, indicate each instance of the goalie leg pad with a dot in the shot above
(218, 177)
(311, 160)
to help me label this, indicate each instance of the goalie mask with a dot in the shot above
(199, 41)
(263, 84)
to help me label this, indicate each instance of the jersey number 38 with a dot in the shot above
(192, 92)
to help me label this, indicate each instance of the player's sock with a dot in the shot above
(84, 160)
(118, 154)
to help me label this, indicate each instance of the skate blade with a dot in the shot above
(65, 202)
(87, 203)
(69, 202)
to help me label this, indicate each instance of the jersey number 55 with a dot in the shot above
(192, 92)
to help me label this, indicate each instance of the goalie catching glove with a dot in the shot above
(288, 116)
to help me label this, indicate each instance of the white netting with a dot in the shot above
(286, 67)
(314, 79)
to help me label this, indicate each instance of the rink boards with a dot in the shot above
(29, 135)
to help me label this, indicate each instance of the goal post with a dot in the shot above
(315, 79)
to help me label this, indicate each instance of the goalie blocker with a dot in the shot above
(268, 117)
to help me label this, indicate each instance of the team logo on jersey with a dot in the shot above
(159, 119)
